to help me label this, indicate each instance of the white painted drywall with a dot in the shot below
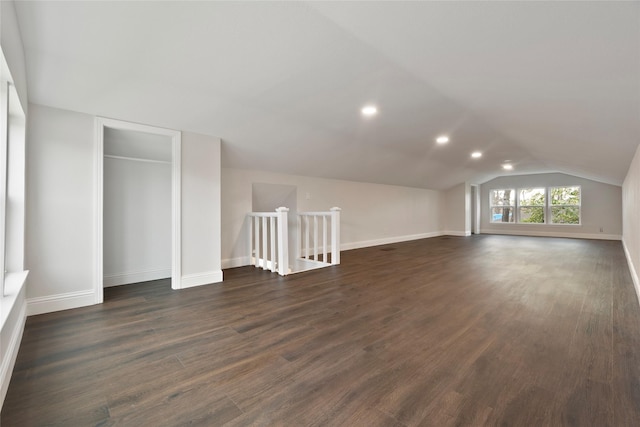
(601, 207)
(455, 210)
(13, 49)
(137, 220)
(267, 197)
(201, 240)
(371, 213)
(60, 165)
(631, 218)
(60, 243)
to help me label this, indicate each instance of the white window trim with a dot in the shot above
(514, 206)
(4, 163)
(544, 207)
(547, 208)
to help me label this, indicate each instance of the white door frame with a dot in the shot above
(176, 141)
(475, 211)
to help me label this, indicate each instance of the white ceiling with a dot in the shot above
(550, 86)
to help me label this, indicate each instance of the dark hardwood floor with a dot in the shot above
(484, 330)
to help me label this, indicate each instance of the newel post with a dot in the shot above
(283, 241)
(335, 235)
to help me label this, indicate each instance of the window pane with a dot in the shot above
(502, 215)
(532, 197)
(565, 215)
(533, 214)
(565, 196)
(503, 197)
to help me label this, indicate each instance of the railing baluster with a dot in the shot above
(315, 237)
(283, 241)
(272, 227)
(265, 255)
(256, 240)
(268, 238)
(306, 237)
(299, 238)
(335, 235)
(324, 238)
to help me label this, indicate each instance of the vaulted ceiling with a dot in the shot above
(546, 86)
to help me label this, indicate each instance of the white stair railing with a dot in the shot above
(313, 231)
(269, 241)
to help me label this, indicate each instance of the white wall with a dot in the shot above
(631, 218)
(137, 220)
(60, 242)
(60, 239)
(371, 214)
(13, 50)
(456, 210)
(201, 240)
(600, 207)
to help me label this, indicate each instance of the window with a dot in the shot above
(565, 205)
(531, 205)
(4, 115)
(537, 205)
(12, 185)
(503, 205)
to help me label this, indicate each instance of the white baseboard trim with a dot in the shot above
(51, 303)
(597, 236)
(389, 240)
(135, 277)
(199, 279)
(457, 233)
(11, 353)
(236, 262)
(632, 270)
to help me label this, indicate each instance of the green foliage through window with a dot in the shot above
(561, 204)
(532, 202)
(565, 205)
(503, 205)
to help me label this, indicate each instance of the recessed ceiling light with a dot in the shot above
(507, 167)
(476, 154)
(443, 139)
(369, 110)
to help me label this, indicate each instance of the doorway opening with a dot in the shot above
(137, 207)
(475, 209)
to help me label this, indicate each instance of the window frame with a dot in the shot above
(547, 207)
(12, 188)
(550, 206)
(513, 206)
(543, 206)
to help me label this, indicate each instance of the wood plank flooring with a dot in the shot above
(448, 331)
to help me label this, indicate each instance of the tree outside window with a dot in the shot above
(503, 205)
(565, 205)
(553, 205)
(531, 205)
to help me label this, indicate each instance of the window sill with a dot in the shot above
(13, 284)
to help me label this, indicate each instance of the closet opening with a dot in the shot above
(137, 205)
